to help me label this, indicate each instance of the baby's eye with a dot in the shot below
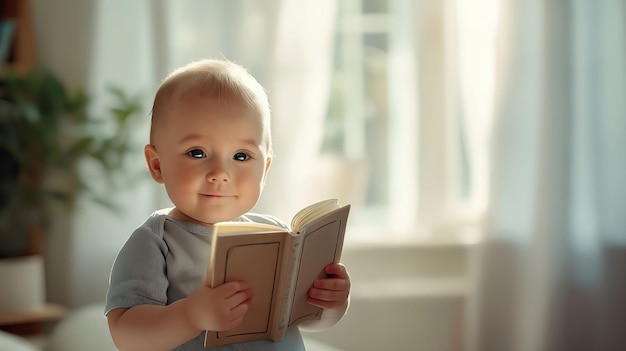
(196, 153)
(241, 156)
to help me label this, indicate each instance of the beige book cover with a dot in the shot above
(279, 265)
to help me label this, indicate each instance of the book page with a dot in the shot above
(312, 212)
(322, 244)
(258, 262)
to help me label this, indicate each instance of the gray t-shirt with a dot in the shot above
(164, 260)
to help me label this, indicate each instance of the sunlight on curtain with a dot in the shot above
(403, 110)
(411, 110)
(299, 88)
(476, 25)
(550, 273)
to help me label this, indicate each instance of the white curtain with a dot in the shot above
(299, 88)
(552, 271)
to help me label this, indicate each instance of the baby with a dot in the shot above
(211, 147)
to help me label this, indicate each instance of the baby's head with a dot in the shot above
(212, 78)
(210, 141)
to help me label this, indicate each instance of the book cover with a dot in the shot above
(279, 265)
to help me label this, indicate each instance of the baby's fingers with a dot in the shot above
(327, 298)
(239, 304)
(229, 289)
(336, 284)
(239, 312)
(234, 317)
(240, 298)
(329, 292)
(337, 270)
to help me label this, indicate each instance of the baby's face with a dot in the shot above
(212, 158)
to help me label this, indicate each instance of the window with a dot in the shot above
(397, 122)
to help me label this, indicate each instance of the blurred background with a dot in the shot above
(481, 145)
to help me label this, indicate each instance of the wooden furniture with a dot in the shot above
(31, 322)
(22, 55)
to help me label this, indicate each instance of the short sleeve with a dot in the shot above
(138, 275)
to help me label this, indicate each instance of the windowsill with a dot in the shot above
(433, 270)
(411, 288)
(461, 236)
(356, 245)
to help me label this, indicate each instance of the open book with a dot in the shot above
(279, 265)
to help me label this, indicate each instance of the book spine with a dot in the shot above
(292, 263)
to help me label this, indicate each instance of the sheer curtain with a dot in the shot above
(299, 88)
(551, 270)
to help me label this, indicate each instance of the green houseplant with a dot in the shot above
(46, 134)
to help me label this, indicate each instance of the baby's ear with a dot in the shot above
(154, 163)
(268, 164)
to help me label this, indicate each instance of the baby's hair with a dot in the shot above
(213, 78)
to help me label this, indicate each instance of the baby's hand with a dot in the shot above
(220, 308)
(332, 291)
